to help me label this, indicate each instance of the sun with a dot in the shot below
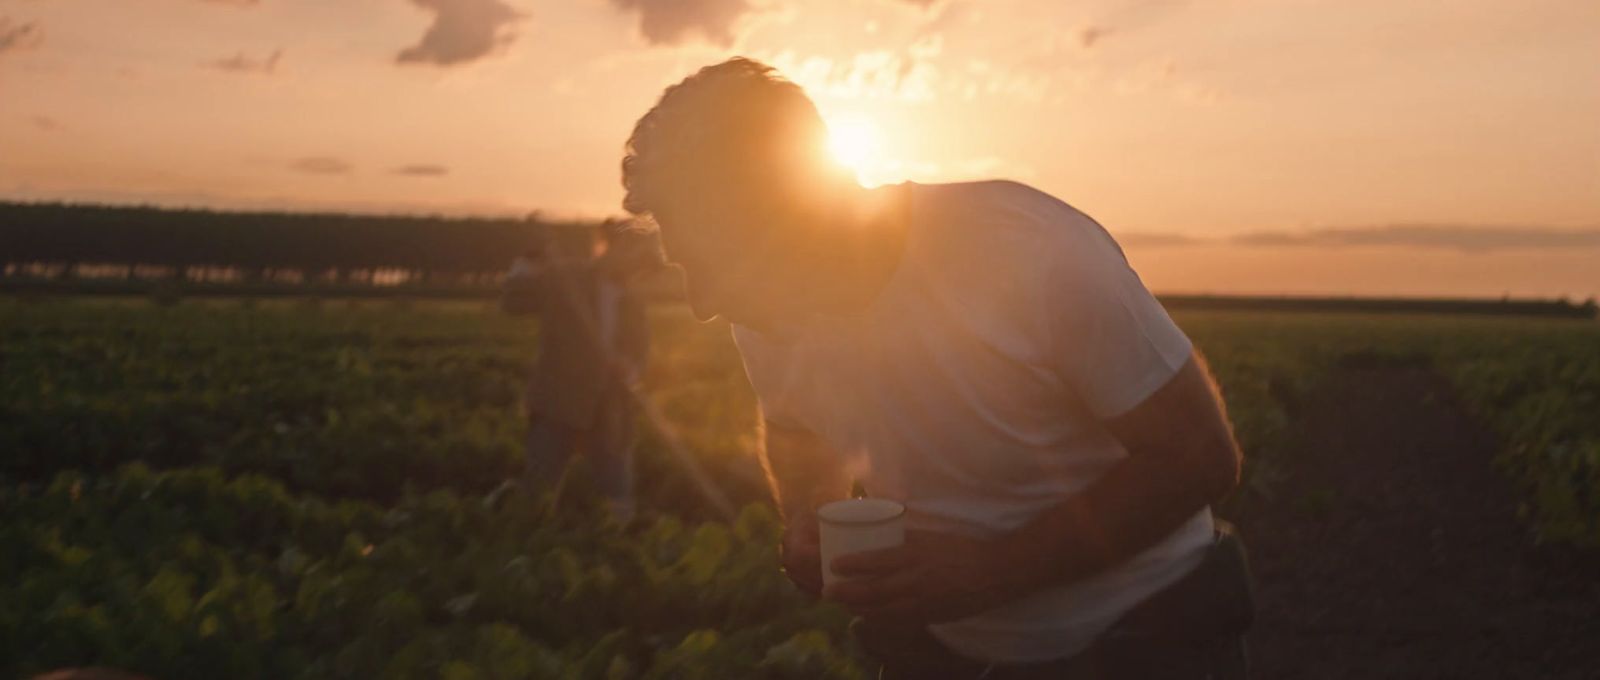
(853, 141)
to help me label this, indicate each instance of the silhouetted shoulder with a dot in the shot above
(1024, 223)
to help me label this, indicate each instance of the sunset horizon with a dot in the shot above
(1307, 148)
(781, 339)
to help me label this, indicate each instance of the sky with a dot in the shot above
(1371, 147)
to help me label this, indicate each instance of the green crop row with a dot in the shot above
(191, 574)
(1535, 382)
(364, 403)
(1540, 391)
(274, 490)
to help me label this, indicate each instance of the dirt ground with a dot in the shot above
(1391, 548)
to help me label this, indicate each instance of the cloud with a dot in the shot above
(673, 22)
(321, 165)
(1137, 14)
(1155, 240)
(1465, 238)
(1122, 16)
(16, 37)
(946, 18)
(239, 63)
(422, 170)
(907, 75)
(1089, 35)
(462, 31)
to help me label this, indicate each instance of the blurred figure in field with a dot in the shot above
(520, 294)
(526, 265)
(593, 344)
(982, 353)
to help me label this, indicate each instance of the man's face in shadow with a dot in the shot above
(733, 264)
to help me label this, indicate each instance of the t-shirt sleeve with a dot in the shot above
(1113, 342)
(769, 367)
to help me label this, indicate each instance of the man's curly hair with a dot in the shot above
(713, 128)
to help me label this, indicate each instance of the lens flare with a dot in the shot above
(853, 141)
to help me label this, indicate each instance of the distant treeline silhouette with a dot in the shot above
(1563, 307)
(64, 240)
(80, 248)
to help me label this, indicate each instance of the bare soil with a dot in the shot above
(1391, 547)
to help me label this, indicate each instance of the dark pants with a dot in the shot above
(911, 653)
(607, 443)
(1191, 630)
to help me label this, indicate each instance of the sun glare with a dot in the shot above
(853, 141)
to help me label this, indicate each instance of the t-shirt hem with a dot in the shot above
(1035, 643)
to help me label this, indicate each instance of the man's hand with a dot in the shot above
(801, 554)
(934, 577)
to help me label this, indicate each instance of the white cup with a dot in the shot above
(858, 525)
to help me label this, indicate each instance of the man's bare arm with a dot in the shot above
(804, 473)
(1182, 457)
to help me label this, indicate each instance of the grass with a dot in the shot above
(291, 440)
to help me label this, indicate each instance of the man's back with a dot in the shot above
(974, 386)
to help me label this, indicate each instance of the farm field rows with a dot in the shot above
(295, 490)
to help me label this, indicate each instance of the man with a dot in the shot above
(593, 345)
(525, 265)
(980, 352)
(520, 293)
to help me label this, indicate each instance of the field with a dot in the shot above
(250, 489)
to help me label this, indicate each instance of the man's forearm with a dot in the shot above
(1182, 457)
(1136, 504)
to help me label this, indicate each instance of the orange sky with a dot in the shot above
(1308, 146)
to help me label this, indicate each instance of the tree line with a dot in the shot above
(66, 236)
(151, 242)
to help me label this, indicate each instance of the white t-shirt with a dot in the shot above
(974, 388)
